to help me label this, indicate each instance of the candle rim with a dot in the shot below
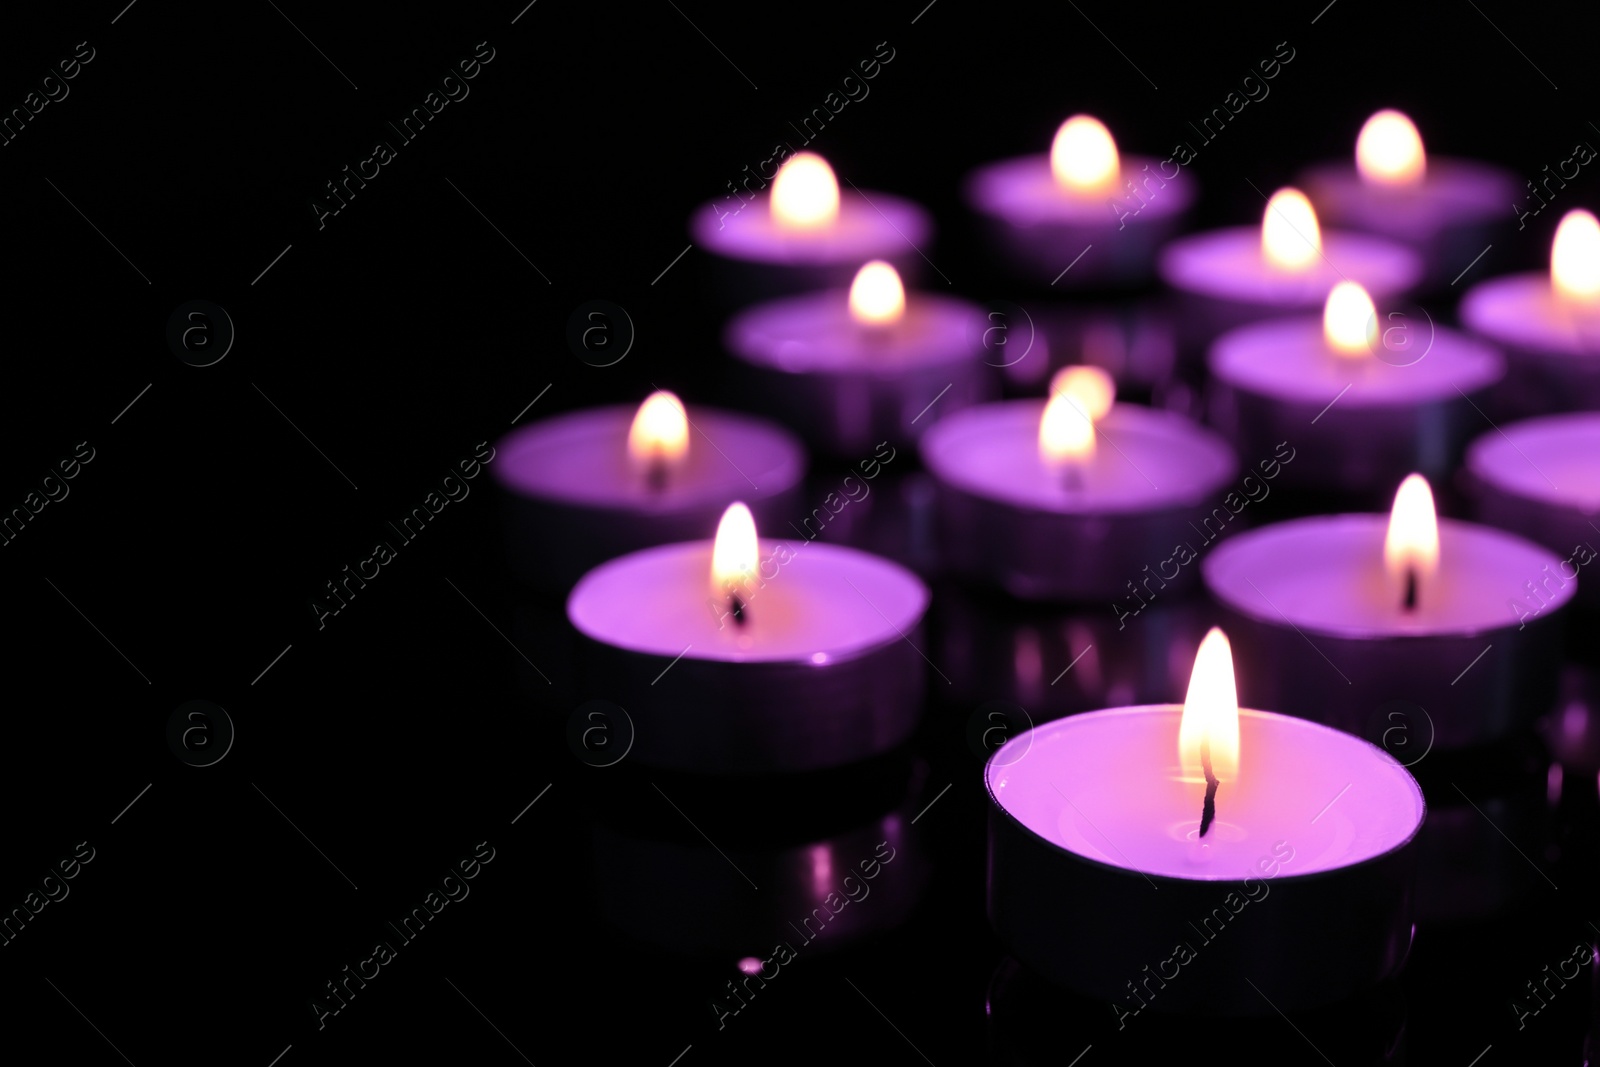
(1408, 779)
(576, 427)
(1405, 629)
(1481, 454)
(910, 581)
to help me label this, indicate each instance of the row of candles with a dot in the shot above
(797, 656)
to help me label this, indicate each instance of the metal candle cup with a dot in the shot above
(1007, 520)
(1552, 350)
(1448, 217)
(757, 259)
(1318, 633)
(1097, 882)
(573, 500)
(847, 387)
(1540, 478)
(824, 670)
(1223, 281)
(1358, 423)
(1041, 229)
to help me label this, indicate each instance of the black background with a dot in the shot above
(406, 330)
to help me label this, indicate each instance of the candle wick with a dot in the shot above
(736, 608)
(1072, 477)
(1410, 602)
(655, 473)
(1208, 811)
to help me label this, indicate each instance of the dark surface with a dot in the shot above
(396, 734)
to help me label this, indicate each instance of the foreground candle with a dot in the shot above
(1123, 845)
(737, 657)
(850, 369)
(1366, 397)
(589, 485)
(1548, 324)
(808, 233)
(1540, 478)
(1447, 210)
(1338, 618)
(1070, 498)
(1083, 215)
(1229, 277)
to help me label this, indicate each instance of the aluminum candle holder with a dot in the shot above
(1318, 634)
(1006, 520)
(823, 671)
(572, 499)
(1098, 883)
(1540, 478)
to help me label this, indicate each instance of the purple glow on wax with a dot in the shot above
(1452, 192)
(1024, 191)
(825, 598)
(582, 457)
(1149, 459)
(750, 965)
(1228, 264)
(1554, 458)
(815, 333)
(1326, 575)
(1105, 786)
(1291, 359)
(868, 227)
(1523, 311)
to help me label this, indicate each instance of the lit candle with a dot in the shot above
(1447, 210)
(1337, 615)
(1230, 277)
(849, 369)
(1164, 825)
(589, 485)
(737, 656)
(807, 233)
(1365, 397)
(1082, 200)
(1548, 324)
(1074, 497)
(1540, 478)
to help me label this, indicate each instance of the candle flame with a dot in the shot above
(1290, 236)
(1066, 432)
(1575, 259)
(1389, 150)
(660, 431)
(805, 194)
(1211, 712)
(1091, 387)
(1411, 546)
(734, 554)
(1083, 156)
(877, 297)
(1350, 321)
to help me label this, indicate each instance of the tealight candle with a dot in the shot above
(1229, 277)
(807, 233)
(1338, 617)
(851, 369)
(1548, 324)
(1540, 478)
(1029, 500)
(1447, 210)
(583, 487)
(731, 657)
(1366, 398)
(1124, 843)
(1083, 215)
